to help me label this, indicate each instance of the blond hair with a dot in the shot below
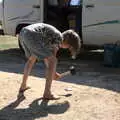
(72, 38)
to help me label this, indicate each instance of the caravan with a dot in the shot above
(96, 21)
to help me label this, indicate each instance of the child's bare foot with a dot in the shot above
(24, 89)
(50, 97)
(21, 91)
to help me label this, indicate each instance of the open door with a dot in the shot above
(100, 21)
(65, 14)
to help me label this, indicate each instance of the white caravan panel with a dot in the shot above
(21, 11)
(101, 21)
(1, 11)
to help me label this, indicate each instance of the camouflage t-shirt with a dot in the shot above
(39, 38)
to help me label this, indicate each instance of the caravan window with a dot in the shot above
(75, 2)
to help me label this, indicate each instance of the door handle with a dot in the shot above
(90, 6)
(36, 6)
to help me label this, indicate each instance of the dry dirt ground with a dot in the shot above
(94, 95)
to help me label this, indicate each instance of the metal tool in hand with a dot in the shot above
(71, 71)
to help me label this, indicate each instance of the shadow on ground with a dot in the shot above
(89, 66)
(37, 109)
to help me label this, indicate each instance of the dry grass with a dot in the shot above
(7, 42)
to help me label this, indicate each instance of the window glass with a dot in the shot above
(75, 2)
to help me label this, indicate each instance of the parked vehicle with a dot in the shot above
(96, 21)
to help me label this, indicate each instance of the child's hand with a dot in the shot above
(57, 76)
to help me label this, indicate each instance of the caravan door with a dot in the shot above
(100, 21)
(21, 11)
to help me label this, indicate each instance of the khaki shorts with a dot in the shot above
(31, 43)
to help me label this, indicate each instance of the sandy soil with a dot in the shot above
(94, 95)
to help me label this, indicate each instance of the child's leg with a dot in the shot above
(50, 73)
(28, 67)
(56, 75)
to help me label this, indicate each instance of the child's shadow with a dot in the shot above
(38, 108)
